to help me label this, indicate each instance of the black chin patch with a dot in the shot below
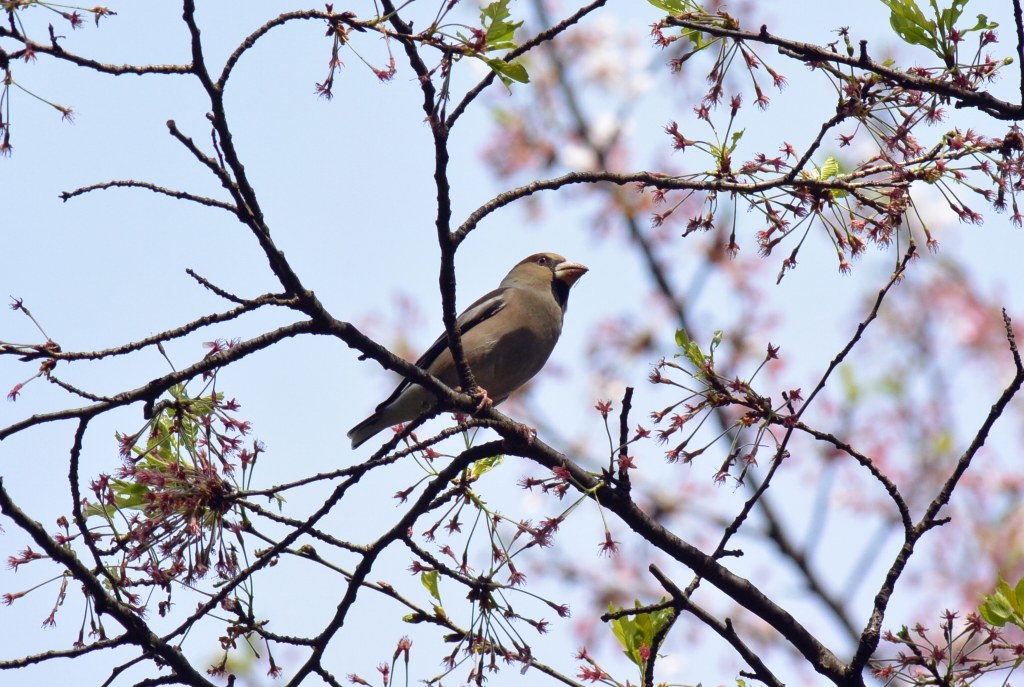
(560, 292)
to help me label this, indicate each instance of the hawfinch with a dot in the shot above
(507, 337)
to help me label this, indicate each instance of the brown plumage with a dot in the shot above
(507, 337)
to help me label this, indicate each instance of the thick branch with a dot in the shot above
(246, 200)
(737, 588)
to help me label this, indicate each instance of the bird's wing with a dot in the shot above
(479, 311)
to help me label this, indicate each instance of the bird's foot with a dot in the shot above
(483, 400)
(528, 433)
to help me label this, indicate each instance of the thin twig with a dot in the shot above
(131, 183)
(151, 390)
(724, 629)
(207, 284)
(929, 520)
(864, 461)
(115, 69)
(176, 333)
(545, 36)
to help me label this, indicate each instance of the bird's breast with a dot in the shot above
(512, 358)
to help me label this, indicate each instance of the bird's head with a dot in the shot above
(546, 270)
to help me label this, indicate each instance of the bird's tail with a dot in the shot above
(366, 429)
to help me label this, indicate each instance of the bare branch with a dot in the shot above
(60, 53)
(888, 484)
(74, 652)
(1018, 21)
(942, 498)
(897, 275)
(170, 334)
(251, 39)
(131, 183)
(150, 391)
(870, 636)
(226, 295)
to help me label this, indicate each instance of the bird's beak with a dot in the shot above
(569, 272)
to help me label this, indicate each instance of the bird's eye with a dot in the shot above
(542, 260)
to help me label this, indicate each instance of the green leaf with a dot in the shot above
(1004, 591)
(484, 465)
(910, 24)
(831, 168)
(948, 17)
(499, 30)
(1018, 595)
(508, 71)
(638, 630)
(127, 496)
(429, 580)
(716, 341)
(737, 135)
(690, 349)
(675, 7)
(1006, 605)
(983, 24)
(996, 610)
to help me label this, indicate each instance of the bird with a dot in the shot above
(507, 336)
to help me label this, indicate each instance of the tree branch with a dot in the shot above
(808, 52)
(870, 636)
(724, 629)
(737, 588)
(130, 183)
(151, 390)
(543, 37)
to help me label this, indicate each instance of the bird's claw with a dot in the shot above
(529, 433)
(484, 402)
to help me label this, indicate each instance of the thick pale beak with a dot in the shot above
(569, 272)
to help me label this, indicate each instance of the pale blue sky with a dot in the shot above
(346, 189)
